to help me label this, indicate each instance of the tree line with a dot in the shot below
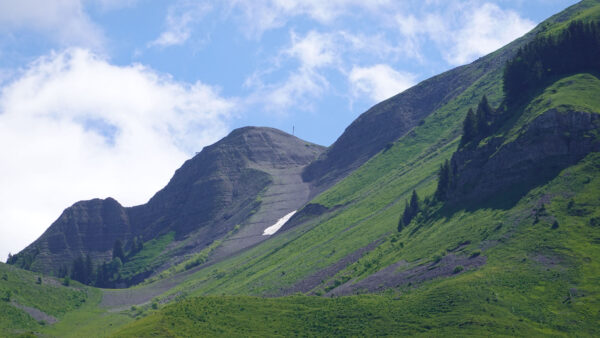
(574, 49)
(107, 274)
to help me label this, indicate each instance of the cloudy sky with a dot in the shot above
(108, 97)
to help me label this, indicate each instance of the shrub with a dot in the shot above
(475, 253)
(555, 225)
(458, 269)
(39, 280)
(6, 296)
(67, 281)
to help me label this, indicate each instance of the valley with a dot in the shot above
(264, 234)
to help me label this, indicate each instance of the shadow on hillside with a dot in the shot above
(506, 198)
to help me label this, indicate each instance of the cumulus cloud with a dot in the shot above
(486, 29)
(311, 52)
(73, 126)
(179, 21)
(461, 31)
(318, 56)
(62, 20)
(379, 82)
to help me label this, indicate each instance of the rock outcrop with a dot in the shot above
(550, 143)
(227, 184)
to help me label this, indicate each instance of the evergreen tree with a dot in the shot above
(62, 271)
(543, 60)
(414, 204)
(118, 250)
(406, 216)
(101, 276)
(444, 182)
(78, 272)
(483, 116)
(469, 128)
(411, 209)
(89, 269)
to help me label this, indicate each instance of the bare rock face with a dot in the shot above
(552, 142)
(205, 199)
(87, 227)
(393, 118)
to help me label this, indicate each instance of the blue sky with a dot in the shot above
(107, 97)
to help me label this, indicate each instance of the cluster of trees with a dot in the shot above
(411, 210)
(574, 49)
(23, 259)
(446, 179)
(108, 274)
(480, 124)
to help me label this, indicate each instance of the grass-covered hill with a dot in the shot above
(509, 248)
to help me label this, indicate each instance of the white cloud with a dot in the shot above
(259, 16)
(379, 82)
(75, 127)
(313, 50)
(62, 20)
(318, 56)
(486, 29)
(108, 5)
(461, 31)
(179, 21)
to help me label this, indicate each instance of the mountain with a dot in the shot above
(241, 184)
(503, 238)
(393, 118)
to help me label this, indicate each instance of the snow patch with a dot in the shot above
(273, 228)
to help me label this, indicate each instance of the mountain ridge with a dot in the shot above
(205, 199)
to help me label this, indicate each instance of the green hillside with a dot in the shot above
(514, 256)
(524, 270)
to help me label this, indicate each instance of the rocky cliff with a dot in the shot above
(533, 147)
(222, 187)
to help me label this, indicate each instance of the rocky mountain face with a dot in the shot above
(395, 117)
(223, 186)
(550, 143)
(391, 119)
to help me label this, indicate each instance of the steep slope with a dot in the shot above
(555, 131)
(464, 266)
(485, 261)
(233, 185)
(338, 243)
(395, 117)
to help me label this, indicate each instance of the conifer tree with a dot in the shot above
(483, 116)
(414, 204)
(118, 250)
(89, 269)
(444, 181)
(411, 209)
(469, 128)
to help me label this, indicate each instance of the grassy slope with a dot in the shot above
(149, 257)
(374, 197)
(537, 281)
(49, 297)
(75, 307)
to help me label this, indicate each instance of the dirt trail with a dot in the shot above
(35, 313)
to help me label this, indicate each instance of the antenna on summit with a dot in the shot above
(293, 129)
